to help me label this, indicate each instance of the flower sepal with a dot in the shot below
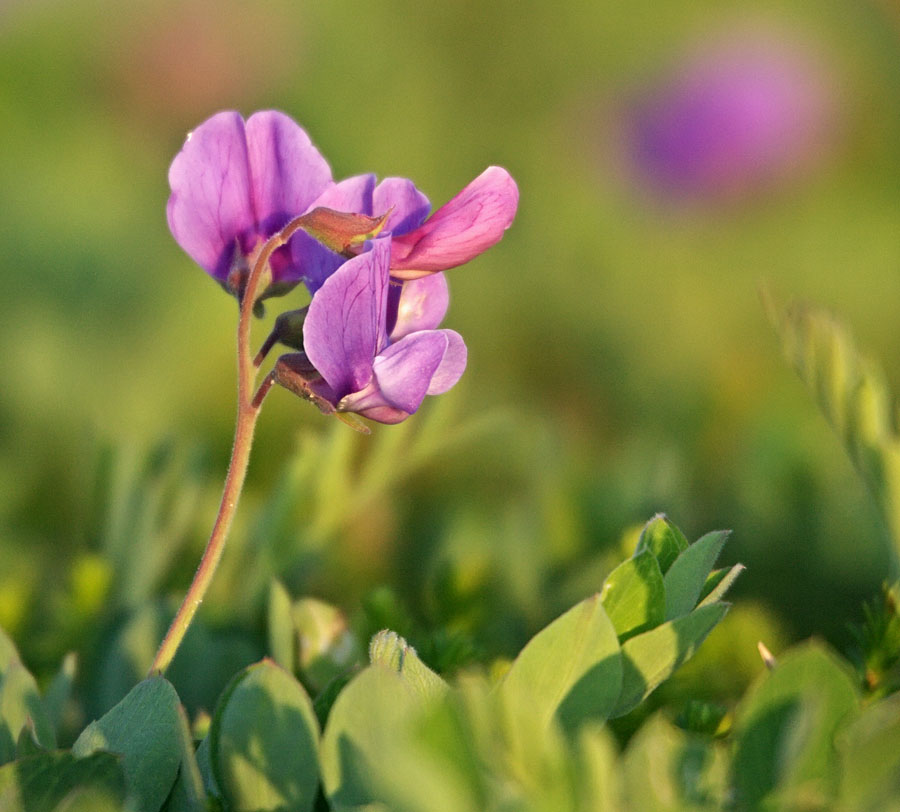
(294, 372)
(341, 231)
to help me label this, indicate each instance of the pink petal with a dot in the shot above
(422, 305)
(345, 325)
(461, 229)
(210, 206)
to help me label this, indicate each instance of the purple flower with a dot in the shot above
(377, 360)
(749, 109)
(235, 183)
(459, 231)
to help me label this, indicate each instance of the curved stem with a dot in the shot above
(248, 410)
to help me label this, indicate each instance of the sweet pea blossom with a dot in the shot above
(466, 226)
(372, 361)
(234, 184)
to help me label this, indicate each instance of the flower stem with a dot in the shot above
(248, 410)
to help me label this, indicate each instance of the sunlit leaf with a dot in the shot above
(145, 729)
(264, 742)
(686, 577)
(571, 669)
(653, 656)
(662, 538)
(633, 595)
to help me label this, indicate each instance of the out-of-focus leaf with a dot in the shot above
(327, 646)
(145, 729)
(282, 636)
(571, 669)
(8, 651)
(188, 794)
(870, 759)
(685, 579)
(633, 595)
(264, 742)
(387, 648)
(368, 723)
(663, 539)
(59, 691)
(785, 729)
(652, 657)
(850, 390)
(668, 770)
(44, 781)
(19, 702)
(600, 783)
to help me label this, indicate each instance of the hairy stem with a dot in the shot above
(247, 412)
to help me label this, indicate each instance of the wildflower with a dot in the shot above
(372, 361)
(234, 184)
(748, 110)
(466, 226)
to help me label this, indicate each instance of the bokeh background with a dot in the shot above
(671, 158)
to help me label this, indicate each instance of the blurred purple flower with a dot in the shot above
(466, 226)
(377, 360)
(235, 183)
(748, 110)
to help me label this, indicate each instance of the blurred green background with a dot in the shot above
(620, 362)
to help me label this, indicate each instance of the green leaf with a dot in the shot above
(663, 539)
(145, 728)
(8, 652)
(668, 770)
(785, 728)
(282, 635)
(718, 583)
(633, 595)
(264, 742)
(19, 703)
(652, 657)
(43, 781)
(387, 648)
(188, 793)
(598, 762)
(571, 669)
(685, 579)
(328, 648)
(369, 721)
(59, 692)
(870, 757)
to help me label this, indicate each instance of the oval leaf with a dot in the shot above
(264, 742)
(686, 577)
(633, 595)
(571, 669)
(144, 728)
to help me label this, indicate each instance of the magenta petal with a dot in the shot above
(410, 206)
(405, 369)
(350, 195)
(344, 328)
(452, 365)
(210, 206)
(461, 229)
(288, 173)
(422, 306)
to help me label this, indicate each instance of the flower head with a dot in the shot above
(235, 183)
(374, 359)
(466, 226)
(747, 110)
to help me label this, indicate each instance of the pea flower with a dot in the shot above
(362, 355)
(234, 184)
(466, 226)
